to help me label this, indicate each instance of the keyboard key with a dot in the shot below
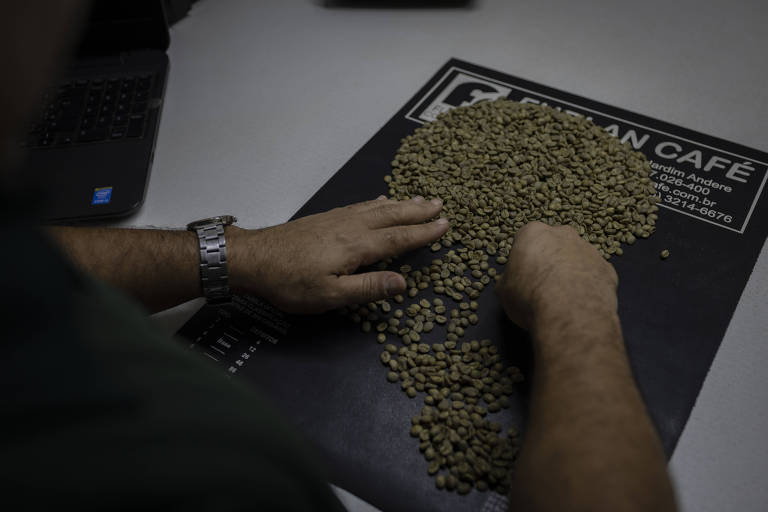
(139, 108)
(88, 122)
(65, 138)
(144, 83)
(117, 133)
(75, 93)
(92, 135)
(45, 140)
(66, 124)
(141, 95)
(69, 108)
(136, 126)
(120, 120)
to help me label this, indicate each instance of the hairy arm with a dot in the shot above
(590, 444)
(306, 265)
(158, 267)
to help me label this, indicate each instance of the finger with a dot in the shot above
(367, 287)
(364, 206)
(389, 242)
(400, 213)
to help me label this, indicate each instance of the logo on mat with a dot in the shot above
(457, 89)
(102, 195)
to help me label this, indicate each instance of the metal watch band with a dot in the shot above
(213, 263)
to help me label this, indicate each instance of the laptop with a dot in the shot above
(90, 150)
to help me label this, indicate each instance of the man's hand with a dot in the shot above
(308, 265)
(589, 443)
(552, 269)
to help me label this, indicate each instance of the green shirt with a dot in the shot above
(102, 411)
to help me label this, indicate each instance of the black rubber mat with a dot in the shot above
(324, 373)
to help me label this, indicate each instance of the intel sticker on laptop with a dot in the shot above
(102, 195)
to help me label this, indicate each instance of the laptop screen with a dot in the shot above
(116, 26)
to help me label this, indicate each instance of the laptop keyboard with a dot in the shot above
(90, 111)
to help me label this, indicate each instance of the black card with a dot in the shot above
(324, 374)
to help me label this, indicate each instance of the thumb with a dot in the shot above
(368, 287)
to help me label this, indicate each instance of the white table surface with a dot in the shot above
(267, 99)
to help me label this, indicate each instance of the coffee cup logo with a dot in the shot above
(457, 89)
(470, 93)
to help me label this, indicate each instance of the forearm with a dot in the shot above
(590, 444)
(160, 268)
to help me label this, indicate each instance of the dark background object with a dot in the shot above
(398, 4)
(119, 25)
(175, 10)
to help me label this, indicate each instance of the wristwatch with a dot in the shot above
(213, 257)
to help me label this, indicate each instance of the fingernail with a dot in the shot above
(381, 197)
(441, 221)
(418, 199)
(436, 201)
(393, 285)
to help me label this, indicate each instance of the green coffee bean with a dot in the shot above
(558, 169)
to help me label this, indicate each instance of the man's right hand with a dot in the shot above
(589, 443)
(552, 271)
